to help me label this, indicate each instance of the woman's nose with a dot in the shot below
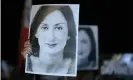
(51, 35)
(80, 47)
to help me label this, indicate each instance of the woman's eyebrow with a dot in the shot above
(59, 23)
(55, 24)
(43, 23)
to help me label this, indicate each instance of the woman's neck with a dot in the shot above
(83, 62)
(51, 59)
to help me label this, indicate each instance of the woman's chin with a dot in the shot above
(53, 51)
(78, 64)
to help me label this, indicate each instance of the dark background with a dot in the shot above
(115, 30)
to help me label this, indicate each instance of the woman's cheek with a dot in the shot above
(43, 34)
(42, 37)
(62, 36)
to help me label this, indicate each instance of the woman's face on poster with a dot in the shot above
(84, 46)
(52, 33)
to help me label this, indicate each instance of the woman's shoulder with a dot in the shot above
(67, 61)
(71, 65)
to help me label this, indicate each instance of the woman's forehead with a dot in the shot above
(83, 34)
(55, 17)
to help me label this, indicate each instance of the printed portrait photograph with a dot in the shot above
(53, 36)
(87, 47)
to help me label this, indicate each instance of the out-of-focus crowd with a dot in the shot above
(6, 70)
(118, 65)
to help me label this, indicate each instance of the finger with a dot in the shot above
(23, 54)
(26, 52)
(29, 49)
(27, 45)
(27, 42)
(25, 49)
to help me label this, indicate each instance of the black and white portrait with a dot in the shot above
(88, 47)
(54, 38)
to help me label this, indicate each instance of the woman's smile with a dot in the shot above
(51, 45)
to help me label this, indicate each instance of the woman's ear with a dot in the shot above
(36, 35)
(68, 38)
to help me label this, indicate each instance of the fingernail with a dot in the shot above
(31, 52)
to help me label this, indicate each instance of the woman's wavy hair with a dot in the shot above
(70, 48)
(92, 55)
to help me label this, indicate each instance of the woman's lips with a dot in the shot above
(51, 45)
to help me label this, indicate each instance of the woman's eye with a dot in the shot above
(59, 28)
(84, 41)
(45, 27)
